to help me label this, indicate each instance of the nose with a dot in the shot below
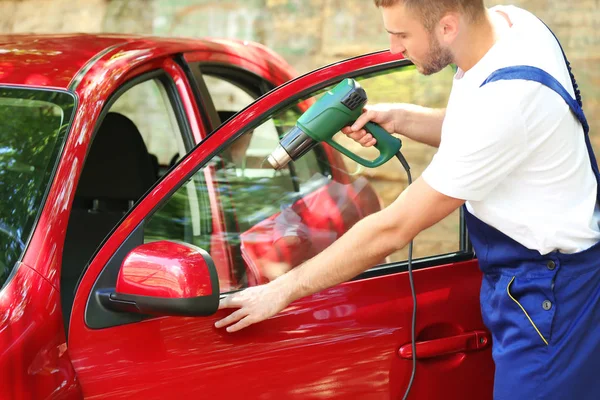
(396, 46)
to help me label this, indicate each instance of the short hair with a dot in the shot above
(431, 11)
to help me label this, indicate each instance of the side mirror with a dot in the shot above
(165, 278)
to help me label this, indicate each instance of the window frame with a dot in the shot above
(173, 96)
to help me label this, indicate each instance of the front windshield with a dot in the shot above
(33, 126)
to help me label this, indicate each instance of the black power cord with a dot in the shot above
(413, 327)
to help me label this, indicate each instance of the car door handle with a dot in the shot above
(465, 342)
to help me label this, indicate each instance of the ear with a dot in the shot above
(448, 27)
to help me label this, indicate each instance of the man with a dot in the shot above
(519, 157)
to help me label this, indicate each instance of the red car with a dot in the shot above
(135, 193)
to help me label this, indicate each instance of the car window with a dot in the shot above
(406, 85)
(147, 105)
(33, 126)
(228, 96)
(265, 222)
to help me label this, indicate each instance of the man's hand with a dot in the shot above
(255, 304)
(385, 115)
(421, 124)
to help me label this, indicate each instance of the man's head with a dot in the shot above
(425, 30)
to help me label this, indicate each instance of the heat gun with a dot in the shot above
(337, 108)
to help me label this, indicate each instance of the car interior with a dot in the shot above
(118, 171)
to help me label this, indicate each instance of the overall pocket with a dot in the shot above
(533, 307)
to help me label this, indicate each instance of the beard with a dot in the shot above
(436, 59)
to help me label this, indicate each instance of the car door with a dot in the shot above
(349, 341)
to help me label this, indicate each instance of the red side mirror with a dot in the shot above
(166, 278)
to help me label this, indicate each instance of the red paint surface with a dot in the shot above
(338, 344)
(185, 94)
(55, 60)
(164, 269)
(33, 354)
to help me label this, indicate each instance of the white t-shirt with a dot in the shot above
(514, 150)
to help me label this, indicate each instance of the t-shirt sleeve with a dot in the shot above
(480, 147)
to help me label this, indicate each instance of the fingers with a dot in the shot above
(244, 323)
(228, 302)
(356, 135)
(362, 120)
(231, 318)
(255, 304)
(361, 136)
(367, 140)
(357, 131)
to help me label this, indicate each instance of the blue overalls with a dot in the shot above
(543, 311)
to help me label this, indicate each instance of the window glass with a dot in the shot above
(147, 104)
(33, 126)
(265, 222)
(227, 96)
(230, 98)
(406, 85)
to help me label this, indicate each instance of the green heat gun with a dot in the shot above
(338, 107)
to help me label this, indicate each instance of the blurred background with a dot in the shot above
(313, 33)
(307, 33)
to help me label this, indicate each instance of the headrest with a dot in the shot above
(118, 165)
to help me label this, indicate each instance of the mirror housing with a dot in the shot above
(165, 278)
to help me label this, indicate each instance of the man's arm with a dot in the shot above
(418, 123)
(363, 246)
(423, 124)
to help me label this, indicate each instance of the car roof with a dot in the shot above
(62, 60)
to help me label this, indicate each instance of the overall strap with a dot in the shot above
(526, 72)
(529, 73)
(549, 81)
(573, 81)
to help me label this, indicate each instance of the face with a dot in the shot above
(409, 36)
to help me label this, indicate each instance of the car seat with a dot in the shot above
(118, 170)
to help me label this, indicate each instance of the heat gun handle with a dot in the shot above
(387, 145)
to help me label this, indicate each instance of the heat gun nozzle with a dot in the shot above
(279, 158)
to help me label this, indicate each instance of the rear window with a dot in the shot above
(33, 126)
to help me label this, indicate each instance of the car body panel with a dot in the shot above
(34, 359)
(340, 343)
(61, 61)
